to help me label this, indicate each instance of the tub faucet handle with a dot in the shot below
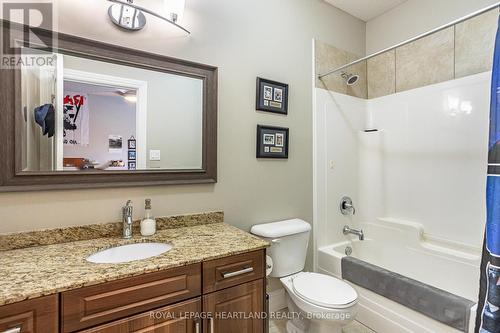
(346, 206)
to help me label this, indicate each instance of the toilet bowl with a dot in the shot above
(317, 303)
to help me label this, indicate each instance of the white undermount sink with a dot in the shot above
(129, 252)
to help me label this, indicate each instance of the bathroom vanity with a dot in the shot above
(143, 105)
(214, 271)
(172, 299)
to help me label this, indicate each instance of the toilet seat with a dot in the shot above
(324, 290)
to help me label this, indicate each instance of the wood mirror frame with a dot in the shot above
(12, 178)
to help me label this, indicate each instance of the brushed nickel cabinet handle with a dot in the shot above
(240, 272)
(197, 327)
(212, 325)
(13, 330)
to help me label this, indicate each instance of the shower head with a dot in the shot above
(350, 79)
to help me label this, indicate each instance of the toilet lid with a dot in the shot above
(324, 290)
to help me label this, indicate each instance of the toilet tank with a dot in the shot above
(289, 240)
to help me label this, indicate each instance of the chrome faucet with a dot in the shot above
(127, 219)
(347, 230)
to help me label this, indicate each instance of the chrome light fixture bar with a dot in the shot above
(129, 16)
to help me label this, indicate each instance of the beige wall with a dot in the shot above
(415, 17)
(245, 39)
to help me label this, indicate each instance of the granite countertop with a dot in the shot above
(43, 270)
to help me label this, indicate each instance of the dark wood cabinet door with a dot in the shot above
(38, 315)
(236, 309)
(178, 318)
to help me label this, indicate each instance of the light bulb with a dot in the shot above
(130, 98)
(174, 9)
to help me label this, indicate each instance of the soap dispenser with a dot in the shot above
(148, 223)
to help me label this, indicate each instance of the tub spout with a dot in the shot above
(347, 230)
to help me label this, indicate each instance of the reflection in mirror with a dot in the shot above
(81, 114)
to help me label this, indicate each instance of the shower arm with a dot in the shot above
(474, 14)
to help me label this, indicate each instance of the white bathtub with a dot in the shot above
(402, 247)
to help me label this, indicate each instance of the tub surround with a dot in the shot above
(44, 270)
(405, 280)
(402, 247)
(20, 240)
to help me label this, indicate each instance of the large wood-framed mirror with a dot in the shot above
(86, 114)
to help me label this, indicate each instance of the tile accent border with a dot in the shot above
(328, 57)
(458, 51)
(426, 61)
(86, 232)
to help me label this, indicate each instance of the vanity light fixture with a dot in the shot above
(129, 16)
(128, 95)
(130, 98)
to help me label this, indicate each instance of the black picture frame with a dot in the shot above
(277, 144)
(132, 155)
(132, 143)
(277, 101)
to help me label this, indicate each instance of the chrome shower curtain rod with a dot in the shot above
(474, 14)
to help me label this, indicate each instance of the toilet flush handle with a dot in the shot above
(276, 241)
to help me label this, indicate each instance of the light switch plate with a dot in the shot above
(154, 155)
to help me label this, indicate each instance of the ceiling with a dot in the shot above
(365, 9)
(93, 89)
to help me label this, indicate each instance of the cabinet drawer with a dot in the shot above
(168, 319)
(95, 305)
(231, 271)
(37, 315)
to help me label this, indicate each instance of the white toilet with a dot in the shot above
(317, 302)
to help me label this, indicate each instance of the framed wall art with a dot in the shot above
(132, 142)
(272, 142)
(132, 155)
(272, 96)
